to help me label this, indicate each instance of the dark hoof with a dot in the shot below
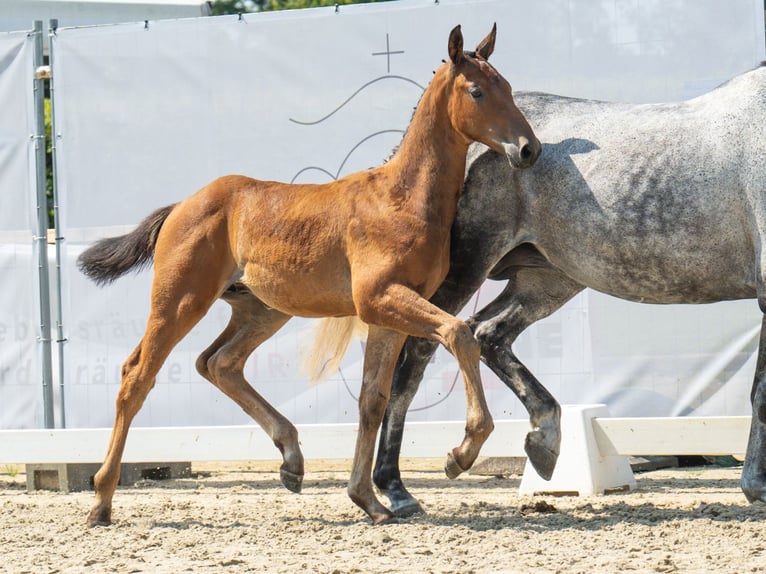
(543, 459)
(754, 498)
(754, 494)
(451, 468)
(406, 508)
(292, 482)
(401, 502)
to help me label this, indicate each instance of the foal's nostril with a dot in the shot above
(525, 152)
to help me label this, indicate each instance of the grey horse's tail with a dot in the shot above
(111, 258)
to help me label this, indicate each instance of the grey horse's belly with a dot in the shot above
(654, 269)
(660, 285)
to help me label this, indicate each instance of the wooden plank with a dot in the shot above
(232, 443)
(436, 439)
(624, 436)
(672, 435)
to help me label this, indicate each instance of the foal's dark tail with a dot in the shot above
(111, 258)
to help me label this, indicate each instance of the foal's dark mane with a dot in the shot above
(415, 109)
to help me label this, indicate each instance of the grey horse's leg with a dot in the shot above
(410, 367)
(754, 470)
(452, 296)
(531, 294)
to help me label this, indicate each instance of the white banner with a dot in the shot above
(149, 114)
(20, 379)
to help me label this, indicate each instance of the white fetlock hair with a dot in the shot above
(332, 337)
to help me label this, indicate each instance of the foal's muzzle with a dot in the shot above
(524, 153)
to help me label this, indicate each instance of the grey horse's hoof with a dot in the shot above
(543, 459)
(292, 482)
(755, 498)
(754, 490)
(401, 502)
(406, 508)
(451, 468)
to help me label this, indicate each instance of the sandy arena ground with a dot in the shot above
(238, 518)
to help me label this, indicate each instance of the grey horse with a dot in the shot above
(660, 203)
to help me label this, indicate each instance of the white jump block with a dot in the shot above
(581, 469)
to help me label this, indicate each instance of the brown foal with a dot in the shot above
(374, 244)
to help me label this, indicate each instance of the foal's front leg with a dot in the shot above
(533, 292)
(465, 276)
(401, 308)
(382, 349)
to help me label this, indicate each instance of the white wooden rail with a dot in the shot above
(672, 435)
(623, 436)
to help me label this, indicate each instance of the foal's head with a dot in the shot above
(481, 104)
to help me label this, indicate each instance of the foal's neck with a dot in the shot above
(430, 161)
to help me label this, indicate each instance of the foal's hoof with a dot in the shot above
(451, 467)
(543, 459)
(99, 517)
(292, 482)
(381, 518)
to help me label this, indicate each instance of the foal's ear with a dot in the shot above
(455, 46)
(487, 45)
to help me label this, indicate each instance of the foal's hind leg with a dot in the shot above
(223, 365)
(189, 275)
(173, 314)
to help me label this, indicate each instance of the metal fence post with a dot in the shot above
(42, 228)
(60, 338)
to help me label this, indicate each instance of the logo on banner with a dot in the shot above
(361, 92)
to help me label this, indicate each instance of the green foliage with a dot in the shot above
(48, 162)
(11, 470)
(293, 4)
(219, 7)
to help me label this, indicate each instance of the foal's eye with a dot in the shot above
(475, 92)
